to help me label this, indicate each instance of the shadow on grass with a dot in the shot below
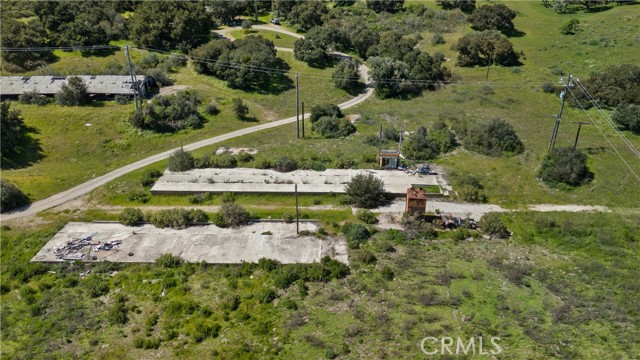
(98, 53)
(515, 33)
(26, 153)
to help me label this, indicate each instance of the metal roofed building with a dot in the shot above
(97, 85)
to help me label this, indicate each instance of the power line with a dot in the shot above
(608, 120)
(605, 136)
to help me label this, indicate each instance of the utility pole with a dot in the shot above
(255, 7)
(297, 211)
(563, 95)
(400, 141)
(133, 80)
(380, 140)
(580, 123)
(297, 108)
(486, 79)
(303, 119)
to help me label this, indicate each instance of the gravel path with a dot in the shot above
(92, 184)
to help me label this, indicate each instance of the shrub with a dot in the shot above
(571, 27)
(288, 218)
(159, 76)
(96, 286)
(33, 97)
(285, 164)
(117, 315)
(234, 215)
(202, 330)
(244, 157)
(437, 39)
(318, 166)
(73, 92)
(149, 177)
(615, 85)
(181, 160)
(212, 109)
(323, 110)
(366, 216)
(387, 273)
(356, 234)
(548, 87)
(146, 343)
(169, 113)
(139, 195)
(169, 261)
(240, 109)
(224, 161)
(330, 127)
(477, 47)
(346, 76)
(565, 165)
(177, 218)
(268, 265)
(200, 198)
(495, 138)
(231, 302)
(493, 17)
(492, 225)
(365, 256)
(627, 116)
(11, 196)
(267, 295)
(366, 191)
(470, 189)
(131, 217)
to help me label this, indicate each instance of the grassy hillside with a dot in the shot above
(563, 287)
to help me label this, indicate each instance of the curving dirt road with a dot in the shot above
(86, 187)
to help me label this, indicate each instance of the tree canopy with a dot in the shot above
(366, 191)
(485, 48)
(11, 196)
(12, 127)
(347, 76)
(615, 85)
(627, 116)
(169, 113)
(307, 14)
(226, 11)
(16, 34)
(464, 5)
(170, 24)
(331, 127)
(565, 165)
(494, 138)
(322, 110)
(389, 6)
(73, 92)
(425, 145)
(493, 17)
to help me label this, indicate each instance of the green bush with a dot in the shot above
(470, 189)
(11, 197)
(240, 109)
(285, 164)
(117, 315)
(364, 256)
(181, 160)
(366, 191)
(366, 216)
(169, 261)
(131, 216)
(224, 161)
(233, 215)
(565, 165)
(330, 127)
(387, 273)
(169, 113)
(495, 138)
(177, 218)
(149, 177)
(96, 286)
(139, 195)
(268, 265)
(146, 343)
(73, 92)
(244, 157)
(318, 166)
(571, 27)
(492, 225)
(231, 302)
(356, 234)
(627, 116)
(202, 330)
(200, 198)
(33, 97)
(320, 111)
(437, 39)
(212, 109)
(267, 295)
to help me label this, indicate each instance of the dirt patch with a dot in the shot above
(235, 151)
(174, 89)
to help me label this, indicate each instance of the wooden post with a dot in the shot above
(303, 119)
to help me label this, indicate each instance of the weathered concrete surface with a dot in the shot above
(200, 243)
(246, 180)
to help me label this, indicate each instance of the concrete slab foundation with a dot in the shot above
(246, 180)
(200, 243)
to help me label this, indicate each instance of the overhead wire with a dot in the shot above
(607, 119)
(603, 135)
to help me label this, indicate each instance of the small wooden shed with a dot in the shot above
(416, 201)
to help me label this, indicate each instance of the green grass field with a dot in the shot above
(72, 152)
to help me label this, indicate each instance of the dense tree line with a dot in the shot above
(307, 14)
(613, 86)
(564, 6)
(170, 24)
(241, 63)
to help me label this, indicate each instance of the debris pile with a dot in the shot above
(80, 248)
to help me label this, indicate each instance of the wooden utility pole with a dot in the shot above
(297, 108)
(133, 80)
(580, 123)
(303, 119)
(297, 211)
(563, 95)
